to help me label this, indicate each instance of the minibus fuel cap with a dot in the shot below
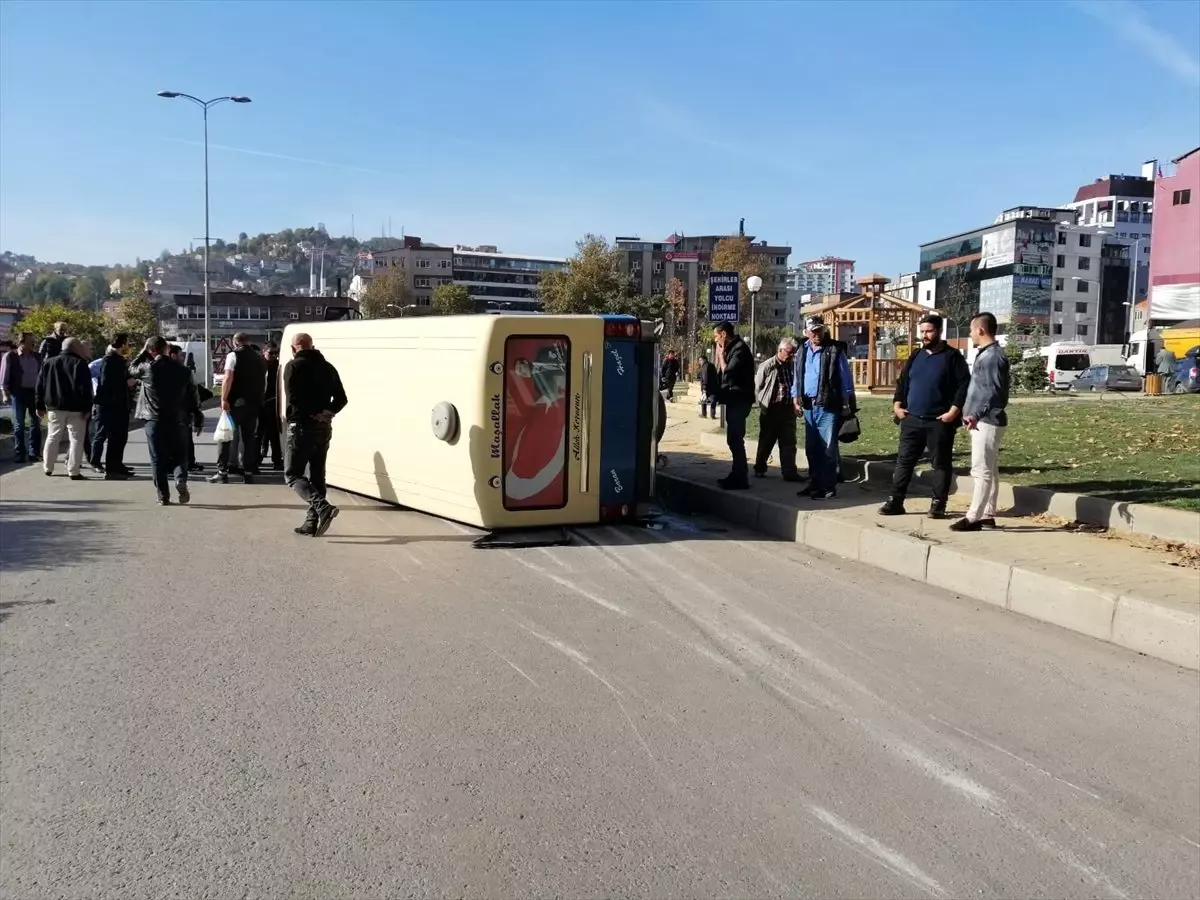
(444, 420)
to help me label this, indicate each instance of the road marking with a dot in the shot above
(893, 861)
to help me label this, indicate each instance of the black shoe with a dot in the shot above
(47, 474)
(325, 516)
(77, 478)
(965, 524)
(218, 478)
(822, 495)
(195, 467)
(892, 507)
(128, 470)
(185, 496)
(163, 501)
(729, 483)
(309, 528)
(937, 510)
(989, 524)
(96, 467)
(762, 474)
(248, 477)
(116, 476)
(793, 478)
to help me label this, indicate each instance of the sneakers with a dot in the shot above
(893, 507)
(822, 495)
(77, 478)
(325, 516)
(163, 501)
(185, 496)
(97, 467)
(218, 478)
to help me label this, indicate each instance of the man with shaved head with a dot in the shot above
(64, 394)
(314, 396)
(52, 344)
(242, 393)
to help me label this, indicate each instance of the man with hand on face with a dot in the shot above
(928, 403)
(737, 393)
(314, 396)
(167, 400)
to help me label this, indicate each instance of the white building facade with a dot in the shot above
(827, 275)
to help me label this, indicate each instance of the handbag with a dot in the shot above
(849, 430)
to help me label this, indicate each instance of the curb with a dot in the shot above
(1134, 623)
(1138, 518)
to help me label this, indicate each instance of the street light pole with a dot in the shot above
(753, 285)
(204, 105)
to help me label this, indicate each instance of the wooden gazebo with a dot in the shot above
(860, 319)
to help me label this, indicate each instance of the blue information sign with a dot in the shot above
(724, 290)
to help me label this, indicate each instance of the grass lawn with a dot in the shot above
(1135, 450)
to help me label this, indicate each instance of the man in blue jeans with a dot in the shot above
(737, 393)
(18, 381)
(823, 392)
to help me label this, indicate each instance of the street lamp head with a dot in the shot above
(754, 284)
(168, 94)
(240, 99)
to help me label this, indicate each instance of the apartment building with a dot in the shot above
(652, 265)
(1175, 263)
(1089, 299)
(501, 281)
(827, 275)
(261, 316)
(1123, 206)
(424, 266)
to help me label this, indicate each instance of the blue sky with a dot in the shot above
(849, 128)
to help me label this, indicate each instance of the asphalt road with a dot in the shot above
(197, 703)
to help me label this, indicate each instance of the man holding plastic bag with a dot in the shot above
(166, 400)
(242, 393)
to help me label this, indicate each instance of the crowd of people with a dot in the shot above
(94, 401)
(811, 384)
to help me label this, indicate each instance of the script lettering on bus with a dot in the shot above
(577, 428)
(495, 417)
(617, 359)
(617, 486)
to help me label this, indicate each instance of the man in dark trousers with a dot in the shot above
(314, 397)
(736, 392)
(710, 381)
(823, 393)
(112, 411)
(165, 401)
(669, 375)
(928, 403)
(242, 393)
(268, 419)
(777, 416)
(18, 386)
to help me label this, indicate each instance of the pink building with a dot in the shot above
(1175, 243)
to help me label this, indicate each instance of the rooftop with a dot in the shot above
(1116, 186)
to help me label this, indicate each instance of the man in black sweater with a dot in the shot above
(112, 411)
(737, 394)
(314, 396)
(268, 419)
(167, 403)
(242, 394)
(928, 403)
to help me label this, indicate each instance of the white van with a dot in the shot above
(1143, 348)
(1064, 361)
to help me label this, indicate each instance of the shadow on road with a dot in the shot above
(7, 608)
(383, 540)
(40, 542)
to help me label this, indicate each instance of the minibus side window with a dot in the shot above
(537, 391)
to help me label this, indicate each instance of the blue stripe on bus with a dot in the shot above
(618, 424)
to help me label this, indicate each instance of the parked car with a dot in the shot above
(1187, 372)
(1108, 378)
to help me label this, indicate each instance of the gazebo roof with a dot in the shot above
(862, 301)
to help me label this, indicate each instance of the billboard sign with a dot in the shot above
(998, 247)
(724, 290)
(681, 256)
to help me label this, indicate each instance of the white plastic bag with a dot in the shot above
(224, 430)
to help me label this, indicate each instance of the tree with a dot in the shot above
(734, 254)
(89, 291)
(135, 314)
(959, 303)
(452, 300)
(647, 308)
(590, 282)
(385, 296)
(81, 323)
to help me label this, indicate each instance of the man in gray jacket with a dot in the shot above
(777, 415)
(985, 415)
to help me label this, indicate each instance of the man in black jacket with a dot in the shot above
(64, 395)
(268, 418)
(314, 396)
(52, 344)
(166, 401)
(242, 392)
(928, 405)
(737, 394)
(112, 411)
(706, 375)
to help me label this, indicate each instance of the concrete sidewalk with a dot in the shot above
(1143, 598)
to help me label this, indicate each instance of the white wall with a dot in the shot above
(1072, 308)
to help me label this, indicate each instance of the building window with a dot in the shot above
(658, 265)
(422, 282)
(1056, 328)
(1060, 261)
(318, 310)
(293, 316)
(1058, 284)
(1084, 263)
(1085, 240)
(1180, 198)
(308, 310)
(781, 260)
(1081, 287)
(1058, 306)
(443, 263)
(424, 264)
(1081, 330)
(1081, 308)
(1062, 237)
(928, 295)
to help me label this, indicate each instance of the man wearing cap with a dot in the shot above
(777, 415)
(822, 391)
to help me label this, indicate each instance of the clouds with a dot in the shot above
(1130, 23)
